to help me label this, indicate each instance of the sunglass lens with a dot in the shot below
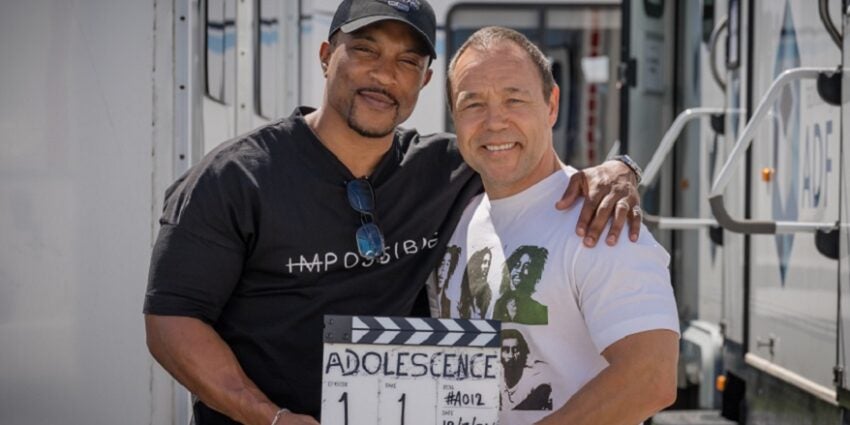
(370, 241)
(360, 196)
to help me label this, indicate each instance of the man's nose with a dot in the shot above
(383, 71)
(496, 118)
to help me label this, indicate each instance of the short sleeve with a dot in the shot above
(201, 247)
(624, 289)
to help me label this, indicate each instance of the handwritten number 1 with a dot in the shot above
(344, 400)
(402, 401)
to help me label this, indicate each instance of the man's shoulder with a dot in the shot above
(537, 209)
(241, 160)
(256, 148)
(414, 135)
(475, 206)
(435, 153)
(410, 138)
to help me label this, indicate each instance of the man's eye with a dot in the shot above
(471, 106)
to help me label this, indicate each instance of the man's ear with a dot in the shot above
(554, 104)
(325, 56)
(428, 74)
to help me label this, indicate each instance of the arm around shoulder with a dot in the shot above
(611, 194)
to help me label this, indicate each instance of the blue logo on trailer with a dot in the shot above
(786, 140)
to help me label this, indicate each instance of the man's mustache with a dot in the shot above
(379, 91)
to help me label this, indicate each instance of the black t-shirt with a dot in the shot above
(257, 240)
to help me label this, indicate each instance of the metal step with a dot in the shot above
(689, 417)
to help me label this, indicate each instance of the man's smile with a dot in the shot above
(500, 147)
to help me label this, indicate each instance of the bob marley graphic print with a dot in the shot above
(520, 276)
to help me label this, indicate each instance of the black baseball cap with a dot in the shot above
(352, 15)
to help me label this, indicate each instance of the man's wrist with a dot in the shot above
(629, 162)
(277, 416)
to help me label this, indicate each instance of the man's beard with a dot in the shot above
(513, 371)
(371, 133)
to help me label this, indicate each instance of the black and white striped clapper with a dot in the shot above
(411, 331)
(410, 371)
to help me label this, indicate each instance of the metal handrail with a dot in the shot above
(672, 135)
(712, 53)
(823, 10)
(715, 200)
(661, 153)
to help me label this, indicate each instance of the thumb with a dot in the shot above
(573, 192)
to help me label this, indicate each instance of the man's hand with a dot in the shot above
(290, 418)
(192, 352)
(609, 188)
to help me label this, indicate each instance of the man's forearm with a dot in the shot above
(626, 392)
(200, 360)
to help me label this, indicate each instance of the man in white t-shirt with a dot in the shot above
(590, 336)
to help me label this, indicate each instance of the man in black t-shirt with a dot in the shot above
(328, 211)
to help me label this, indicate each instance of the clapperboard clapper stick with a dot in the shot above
(410, 371)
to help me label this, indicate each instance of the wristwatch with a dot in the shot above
(625, 159)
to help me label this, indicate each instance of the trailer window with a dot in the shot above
(268, 58)
(220, 38)
(707, 20)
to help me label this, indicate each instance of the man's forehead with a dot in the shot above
(370, 31)
(473, 92)
(493, 53)
(472, 78)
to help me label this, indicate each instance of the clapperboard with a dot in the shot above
(410, 371)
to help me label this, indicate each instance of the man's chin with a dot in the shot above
(375, 132)
(368, 127)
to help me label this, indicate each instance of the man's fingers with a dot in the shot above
(586, 214)
(294, 418)
(621, 211)
(635, 217)
(575, 189)
(601, 215)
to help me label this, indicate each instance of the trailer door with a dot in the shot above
(646, 87)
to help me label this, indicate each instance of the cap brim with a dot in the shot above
(369, 20)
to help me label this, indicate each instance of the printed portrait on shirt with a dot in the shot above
(526, 381)
(444, 273)
(520, 275)
(475, 292)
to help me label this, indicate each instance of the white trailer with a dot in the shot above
(778, 185)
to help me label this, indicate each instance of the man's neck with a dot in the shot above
(358, 153)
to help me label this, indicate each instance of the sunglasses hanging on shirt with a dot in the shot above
(361, 197)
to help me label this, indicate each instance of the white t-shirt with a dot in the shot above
(518, 259)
